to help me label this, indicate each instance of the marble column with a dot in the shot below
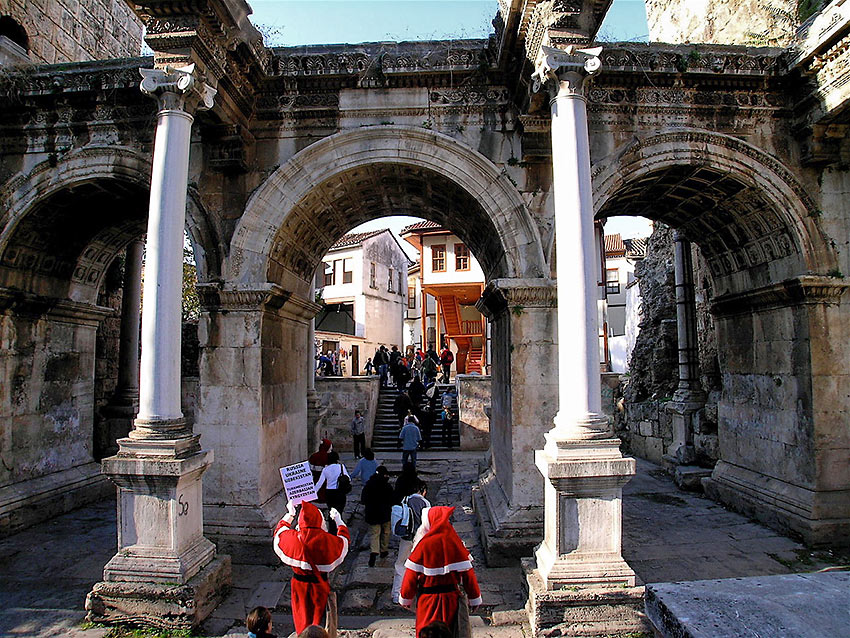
(117, 415)
(159, 465)
(689, 397)
(127, 389)
(581, 460)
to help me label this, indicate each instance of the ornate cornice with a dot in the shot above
(563, 71)
(18, 302)
(804, 290)
(263, 298)
(517, 294)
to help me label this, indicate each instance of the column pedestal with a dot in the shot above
(165, 573)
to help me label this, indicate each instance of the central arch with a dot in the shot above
(389, 157)
(261, 314)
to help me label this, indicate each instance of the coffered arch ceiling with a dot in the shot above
(371, 191)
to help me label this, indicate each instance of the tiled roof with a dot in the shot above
(614, 245)
(423, 225)
(636, 247)
(355, 239)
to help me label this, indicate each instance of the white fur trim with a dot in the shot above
(405, 602)
(461, 566)
(474, 602)
(294, 562)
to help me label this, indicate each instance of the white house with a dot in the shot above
(623, 299)
(363, 284)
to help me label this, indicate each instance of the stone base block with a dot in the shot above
(506, 534)
(29, 502)
(689, 477)
(819, 518)
(582, 611)
(162, 605)
(801, 605)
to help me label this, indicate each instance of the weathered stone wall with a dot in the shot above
(717, 21)
(473, 402)
(342, 396)
(77, 30)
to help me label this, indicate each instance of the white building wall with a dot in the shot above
(451, 275)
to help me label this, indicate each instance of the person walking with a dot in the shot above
(369, 367)
(446, 360)
(410, 437)
(401, 406)
(438, 564)
(377, 499)
(318, 460)
(312, 553)
(336, 489)
(365, 467)
(429, 370)
(417, 502)
(358, 433)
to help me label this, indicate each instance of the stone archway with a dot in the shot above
(288, 225)
(778, 316)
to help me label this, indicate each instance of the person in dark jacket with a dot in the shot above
(401, 406)
(377, 499)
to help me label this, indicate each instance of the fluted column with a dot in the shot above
(581, 461)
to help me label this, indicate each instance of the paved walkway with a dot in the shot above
(668, 536)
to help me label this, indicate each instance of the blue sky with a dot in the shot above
(294, 22)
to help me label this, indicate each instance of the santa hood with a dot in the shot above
(325, 445)
(311, 542)
(437, 549)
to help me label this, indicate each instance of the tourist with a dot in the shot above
(406, 483)
(416, 391)
(311, 545)
(401, 406)
(436, 629)
(325, 364)
(410, 437)
(417, 502)
(429, 369)
(369, 367)
(377, 499)
(438, 563)
(381, 361)
(448, 427)
(337, 488)
(259, 623)
(358, 433)
(365, 467)
(314, 631)
(318, 461)
(446, 360)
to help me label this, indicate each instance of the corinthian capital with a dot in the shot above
(177, 89)
(565, 69)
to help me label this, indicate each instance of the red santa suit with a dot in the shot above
(318, 461)
(308, 550)
(438, 563)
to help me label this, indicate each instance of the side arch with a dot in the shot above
(353, 152)
(771, 215)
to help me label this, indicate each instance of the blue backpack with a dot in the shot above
(401, 519)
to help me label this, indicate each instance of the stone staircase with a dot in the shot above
(385, 433)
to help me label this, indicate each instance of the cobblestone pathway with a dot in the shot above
(46, 571)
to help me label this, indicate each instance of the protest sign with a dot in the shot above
(298, 482)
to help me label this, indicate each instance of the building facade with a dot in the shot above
(448, 281)
(621, 302)
(362, 283)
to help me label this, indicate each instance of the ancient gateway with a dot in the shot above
(516, 144)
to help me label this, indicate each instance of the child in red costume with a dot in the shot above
(312, 553)
(438, 563)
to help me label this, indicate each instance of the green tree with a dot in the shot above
(191, 308)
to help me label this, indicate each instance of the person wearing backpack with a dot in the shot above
(337, 483)
(377, 501)
(446, 360)
(416, 502)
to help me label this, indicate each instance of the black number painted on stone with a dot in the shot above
(184, 507)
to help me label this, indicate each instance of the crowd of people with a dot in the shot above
(433, 568)
(398, 369)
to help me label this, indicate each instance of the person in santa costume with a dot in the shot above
(438, 564)
(312, 553)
